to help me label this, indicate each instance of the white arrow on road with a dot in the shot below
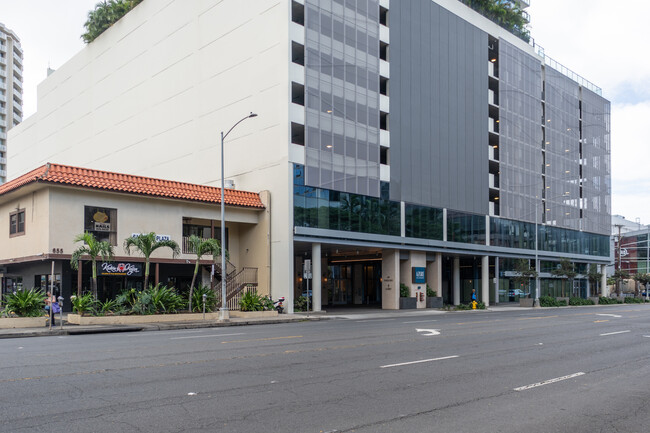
(430, 332)
(609, 315)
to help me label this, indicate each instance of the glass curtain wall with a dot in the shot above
(342, 95)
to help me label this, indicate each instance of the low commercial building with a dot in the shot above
(41, 213)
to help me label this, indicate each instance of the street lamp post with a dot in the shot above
(223, 312)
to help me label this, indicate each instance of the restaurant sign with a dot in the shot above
(121, 269)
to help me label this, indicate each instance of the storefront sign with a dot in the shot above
(419, 275)
(121, 269)
(102, 227)
(158, 237)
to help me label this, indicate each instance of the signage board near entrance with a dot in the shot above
(121, 269)
(419, 275)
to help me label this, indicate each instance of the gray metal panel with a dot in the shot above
(439, 110)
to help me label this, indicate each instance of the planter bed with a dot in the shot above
(76, 319)
(23, 322)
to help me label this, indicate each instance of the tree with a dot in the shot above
(105, 14)
(524, 274)
(566, 269)
(620, 275)
(641, 279)
(93, 248)
(146, 244)
(202, 247)
(594, 276)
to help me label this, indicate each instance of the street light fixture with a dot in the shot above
(224, 315)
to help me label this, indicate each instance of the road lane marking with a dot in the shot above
(421, 321)
(614, 333)
(206, 336)
(600, 321)
(430, 332)
(146, 334)
(609, 315)
(647, 336)
(262, 339)
(419, 362)
(547, 382)
(373, 320)
(537, 318)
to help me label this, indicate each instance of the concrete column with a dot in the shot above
(603, 281)
(390, 275)
(417, 259)
(456, 287)
(588, 289)
(485, 280)
(316, 281)
(434, 274)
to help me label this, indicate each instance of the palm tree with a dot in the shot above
(146, 244)
(93, 248)
(202, 247)
(566, 269)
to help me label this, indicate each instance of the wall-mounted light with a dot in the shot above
(494, 59)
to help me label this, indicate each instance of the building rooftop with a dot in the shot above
(130, 184)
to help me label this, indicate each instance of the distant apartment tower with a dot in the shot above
(11, 90)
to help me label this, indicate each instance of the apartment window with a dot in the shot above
(101, 222)
(17, 223)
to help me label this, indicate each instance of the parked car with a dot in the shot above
(517, 292)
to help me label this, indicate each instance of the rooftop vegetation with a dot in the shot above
(105, 14)
(505, 13)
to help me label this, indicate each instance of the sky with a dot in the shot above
(602, 42)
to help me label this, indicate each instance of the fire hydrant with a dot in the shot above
(474, 303)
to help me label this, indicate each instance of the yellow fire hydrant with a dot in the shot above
(474, 303)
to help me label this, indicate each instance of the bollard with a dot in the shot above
(61, 310)
(204, 298)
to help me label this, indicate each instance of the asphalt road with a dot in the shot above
(556, 370)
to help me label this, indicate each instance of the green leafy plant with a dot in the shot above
(84, 304)
(146, 244)
(253, 302)
(110, 307)
(430, 292)
(105, 14)
(210, 299)
(549, 301)
(404, 291)
(93, 248)
(630, 300)
(607, 301)
(25, 303)
(580, 301)
(300, 303)
(463, 307)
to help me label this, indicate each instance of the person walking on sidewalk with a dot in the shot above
(51, 306)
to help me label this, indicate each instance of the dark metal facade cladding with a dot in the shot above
(438, 108)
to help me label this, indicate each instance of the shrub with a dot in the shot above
(253, 302)
(430, 292)
(210, 299)
(605, 300)
(84, 304)
(154, 300)
(549, 301)
(630, 300)
(25, 303)
(300, 303)
(462, 307)
(580, 301)
(109, 307)
(404, 291)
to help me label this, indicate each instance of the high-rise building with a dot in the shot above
(11, 90)
(404, 143)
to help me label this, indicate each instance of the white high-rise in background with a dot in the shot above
(11, 90)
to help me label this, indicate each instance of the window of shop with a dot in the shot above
(202, 231)
(44, 282)
(17, 223)
(102, 223)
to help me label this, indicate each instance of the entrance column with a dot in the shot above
(456, 280)
(434, 274)
(603, 281)
(390, 280)
(485, 280)
(317, 277)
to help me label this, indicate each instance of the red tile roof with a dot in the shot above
(126, 183)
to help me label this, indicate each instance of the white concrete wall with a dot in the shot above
(37, 214)
(151, 95)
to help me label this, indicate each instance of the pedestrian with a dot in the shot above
(473, 295)
(51, 304)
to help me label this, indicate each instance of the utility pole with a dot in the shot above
(618, 280)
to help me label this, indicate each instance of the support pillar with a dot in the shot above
(390, 279)
(496, 280)
(434, 274)
(485, 280)
(456, 282)
(603, 281)
(317, 277)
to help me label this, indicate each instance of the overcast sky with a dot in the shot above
(601, 40)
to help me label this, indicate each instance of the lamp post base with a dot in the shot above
(224, 315)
